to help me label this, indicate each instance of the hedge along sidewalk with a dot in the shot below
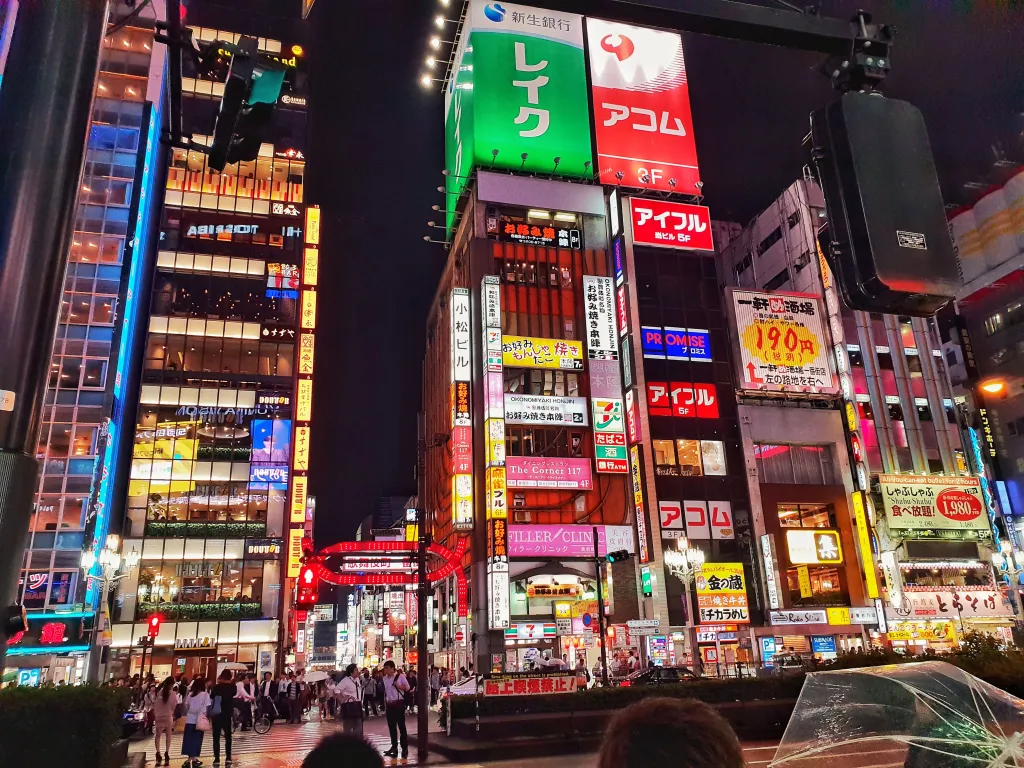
(711, 691)
(65, 726)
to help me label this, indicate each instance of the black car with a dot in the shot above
(658, 676)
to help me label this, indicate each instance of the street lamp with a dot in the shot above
(1010, 564)
(685, 563)
(113, 568)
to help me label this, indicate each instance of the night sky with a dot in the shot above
(377, 152)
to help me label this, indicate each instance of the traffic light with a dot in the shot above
(252, 88)
(617, 556)
(307, 588)
(153, 628)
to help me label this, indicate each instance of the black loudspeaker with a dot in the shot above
(890, 244)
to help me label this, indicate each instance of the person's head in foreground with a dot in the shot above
(343, 750)
(670, 733)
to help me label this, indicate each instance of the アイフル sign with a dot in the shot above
(666, 224)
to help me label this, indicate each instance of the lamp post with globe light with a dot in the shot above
(113, 568)
(685, 563)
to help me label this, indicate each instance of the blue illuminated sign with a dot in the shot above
(768, 650)
(653, 341)
(129, 322)
(618, 260)
(281, 293)
(688, 344)
(268, 473)
(823, 644)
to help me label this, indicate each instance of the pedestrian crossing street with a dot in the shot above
(285, 746)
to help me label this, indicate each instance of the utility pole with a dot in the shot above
(599, 565)
(422, 667)
(45, 102)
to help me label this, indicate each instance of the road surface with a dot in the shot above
(287, 745)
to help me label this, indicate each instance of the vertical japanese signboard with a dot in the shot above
(517, 97)
(303, 413)
(638, 505)
(603, 345)
(641, 103)
(498, 611)
(462, 424)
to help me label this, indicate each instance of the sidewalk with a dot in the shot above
(285, 746)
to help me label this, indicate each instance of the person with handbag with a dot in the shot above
(395, 688)
(350, 694)
(222, 711)
(197, 722)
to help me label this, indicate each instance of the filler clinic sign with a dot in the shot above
(665, 224)
(568, 540)
(517, 98)
(641, 101)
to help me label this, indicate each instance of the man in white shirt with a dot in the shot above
(395, 688)
(245, 695)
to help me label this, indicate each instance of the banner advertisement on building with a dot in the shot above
(599, 308)
(568, 540)
(527, 352)
(539, 472)
(518, 95)
(641, 100)
(639, 511)
(782, 342)
(933, 502)
(538, 409)
(667, 224)
(496, 485)
(957, 605)
(722, 594)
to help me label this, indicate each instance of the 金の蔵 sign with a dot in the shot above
(782, 342)
(722, 593)
(933, 502)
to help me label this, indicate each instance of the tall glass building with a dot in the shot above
(207, 493)
(84, 406)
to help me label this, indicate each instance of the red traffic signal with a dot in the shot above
(307, 587)
(154, 625)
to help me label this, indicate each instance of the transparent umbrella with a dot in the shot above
(926, 715)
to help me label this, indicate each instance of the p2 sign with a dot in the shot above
(667, 224)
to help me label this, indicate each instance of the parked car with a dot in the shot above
(467, 687)
(133, 724)
(658, 676)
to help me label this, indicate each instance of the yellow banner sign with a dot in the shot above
(300, 486)
(306, 344)
(294, 552)
(839, 617)
(867, 560)
(300, 463)
(310, 266)
(932, 631)
(530, 352)
(308, 316)
(304, 400)
(313, 225)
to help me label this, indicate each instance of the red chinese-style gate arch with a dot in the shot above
(326, 562)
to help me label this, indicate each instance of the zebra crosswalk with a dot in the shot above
(284, 746)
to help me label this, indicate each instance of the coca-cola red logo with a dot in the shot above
(958, 505)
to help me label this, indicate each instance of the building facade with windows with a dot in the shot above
(217, 463)
(989, 238)
(94, 362)
(901, 453)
